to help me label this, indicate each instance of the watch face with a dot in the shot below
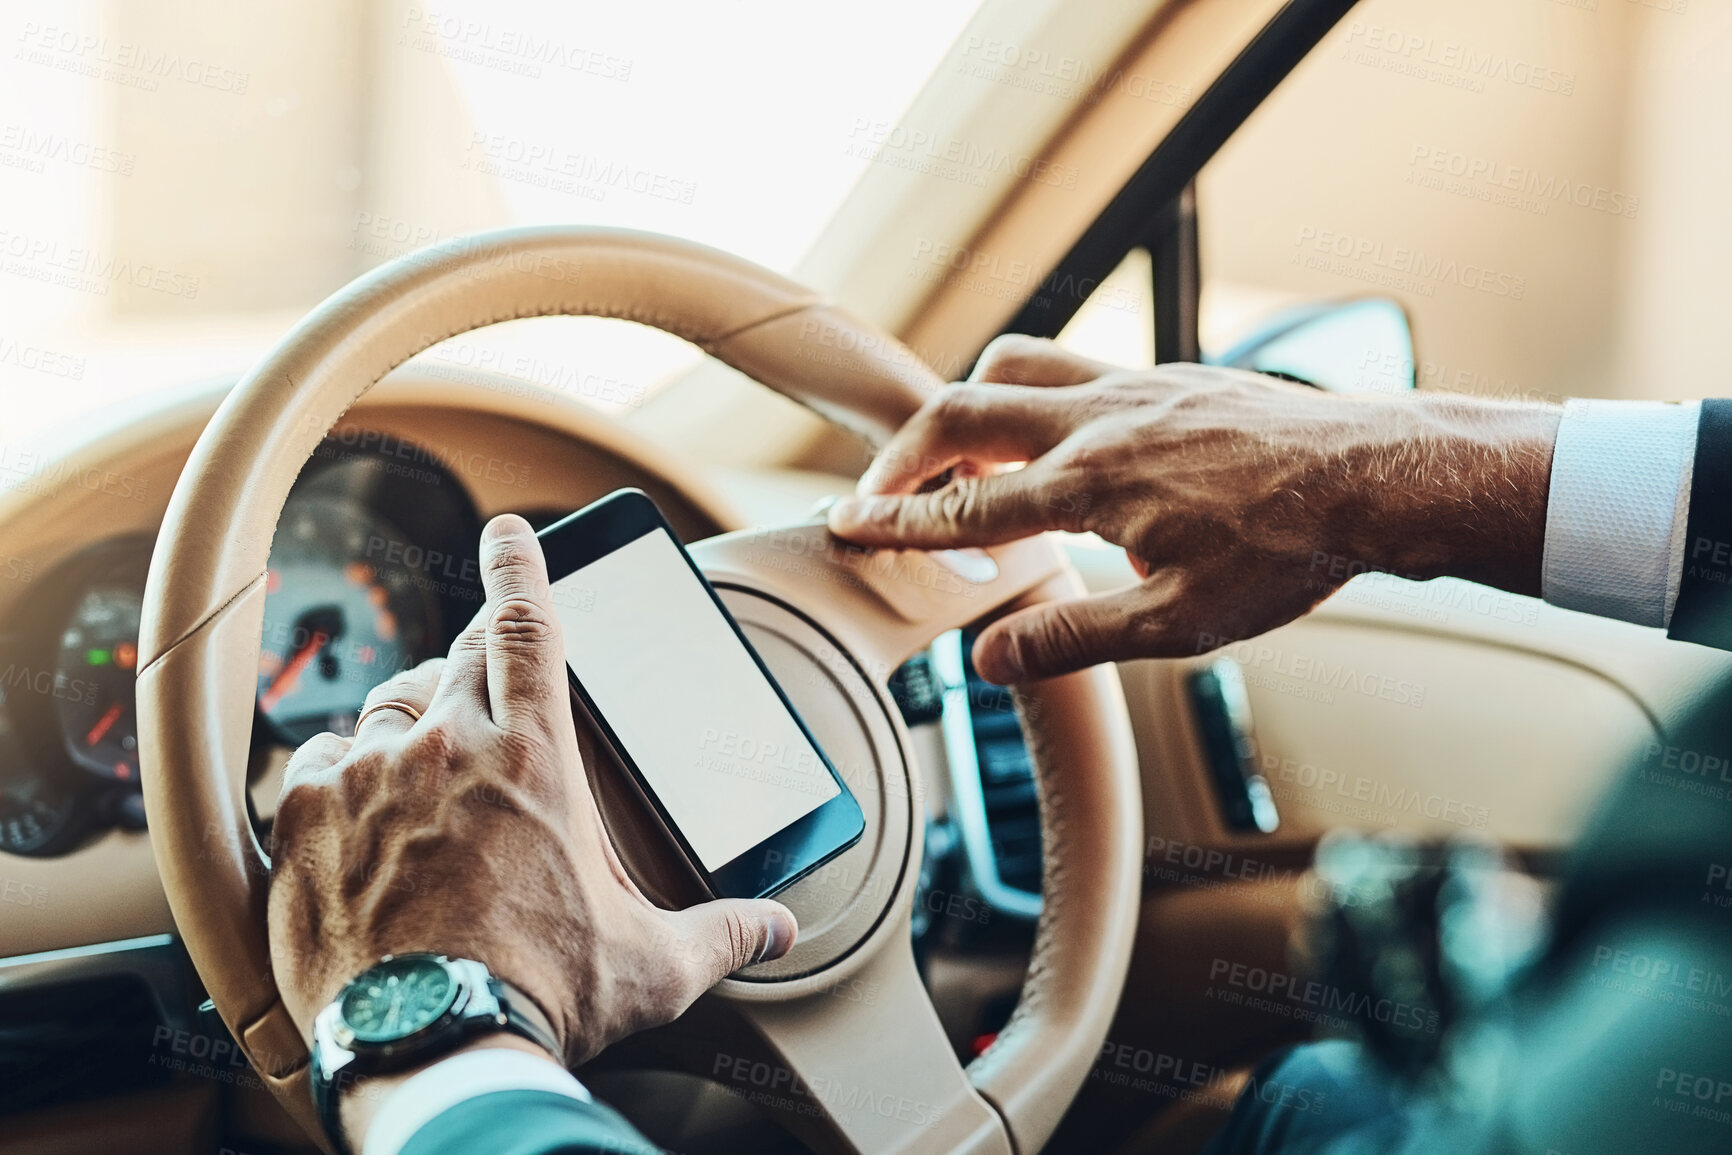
(397, 998)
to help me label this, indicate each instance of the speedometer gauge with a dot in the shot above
(345, 608)
(94, 682)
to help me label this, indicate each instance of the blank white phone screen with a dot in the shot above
(685, 699)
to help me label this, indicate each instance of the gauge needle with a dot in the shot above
(285, 681)
(104, 723)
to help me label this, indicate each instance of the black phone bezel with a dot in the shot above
(799, 848)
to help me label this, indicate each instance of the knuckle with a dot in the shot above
(1008, 355)
(319, 750)
(954, 407)
(739, 941)
(359, 779)
(394, 688)
(300, 808)
(511, 567)
(958, 503)
(521, 620)
(1119, 385)
(471, 642)
(437, 744)
(314, 755)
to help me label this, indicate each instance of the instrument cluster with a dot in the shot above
(373, 569)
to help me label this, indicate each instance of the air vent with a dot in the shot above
(993, 780)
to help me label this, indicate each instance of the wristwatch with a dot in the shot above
(405, 1010)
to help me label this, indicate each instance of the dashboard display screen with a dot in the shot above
(686, 700)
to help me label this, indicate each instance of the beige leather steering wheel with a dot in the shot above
(879, 1071)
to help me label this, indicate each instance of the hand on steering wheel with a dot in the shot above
(405, 807)
(1172, 463)
(471, 831)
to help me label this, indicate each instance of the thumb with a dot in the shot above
(970, 511)
(525, 655)
(1061, 637)
(731, 933)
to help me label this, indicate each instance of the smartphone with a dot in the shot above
(713, 742)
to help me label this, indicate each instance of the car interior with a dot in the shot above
(299, 296)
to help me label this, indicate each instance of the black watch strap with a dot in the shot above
(520, 1016)
(327, 1104)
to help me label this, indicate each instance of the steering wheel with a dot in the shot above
(833, 622)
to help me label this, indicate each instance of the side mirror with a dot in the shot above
(1359, 346)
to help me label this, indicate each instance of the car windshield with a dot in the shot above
(178, 191)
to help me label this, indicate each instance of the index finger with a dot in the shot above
(970, 511)
(969, 422)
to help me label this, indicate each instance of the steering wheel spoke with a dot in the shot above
(861, 1064)
(882, 604)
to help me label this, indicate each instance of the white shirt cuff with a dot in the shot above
(1620, 497)
(421, 1099)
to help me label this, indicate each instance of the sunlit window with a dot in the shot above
(182, 181)
(1116, 324)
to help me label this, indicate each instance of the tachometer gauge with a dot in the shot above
(346, 606)
(94, 680)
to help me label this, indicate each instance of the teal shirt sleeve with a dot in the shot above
(528, 1123)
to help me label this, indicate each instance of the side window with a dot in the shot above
(1533, 180)
(1537, 183)
(1116, 324)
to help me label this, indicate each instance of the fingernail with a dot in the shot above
(506, 525)
(998, 659)
(779, 936)
(848, 512)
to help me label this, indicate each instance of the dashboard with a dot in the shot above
(374, 567)
(373, 570)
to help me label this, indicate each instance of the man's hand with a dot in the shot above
(472, 833)
(1242, 500)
